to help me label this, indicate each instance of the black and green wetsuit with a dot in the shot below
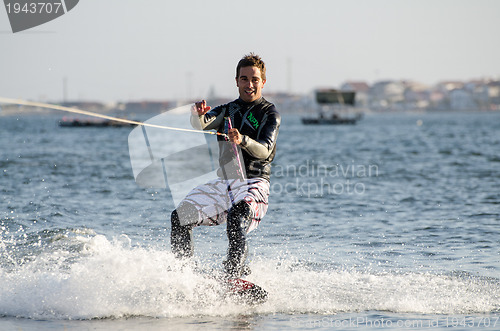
(258, 122)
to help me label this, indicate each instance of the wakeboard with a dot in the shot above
(236, 289)
(245, 291)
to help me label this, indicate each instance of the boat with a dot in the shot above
(334, 107)
(334, 119)
(92, 122)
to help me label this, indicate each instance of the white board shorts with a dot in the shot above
(214, 199)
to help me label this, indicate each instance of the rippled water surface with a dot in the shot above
(392, 223)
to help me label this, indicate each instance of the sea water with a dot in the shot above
(393, 223)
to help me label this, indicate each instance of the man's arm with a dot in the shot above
(203, 118)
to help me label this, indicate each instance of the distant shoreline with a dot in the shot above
(54, 113)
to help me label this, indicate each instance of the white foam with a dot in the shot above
(297, 289)
(110, 278)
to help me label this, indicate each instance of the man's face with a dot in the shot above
(250, 84)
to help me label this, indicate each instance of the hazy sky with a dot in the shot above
(120, 50)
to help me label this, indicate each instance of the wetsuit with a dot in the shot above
(258, 122)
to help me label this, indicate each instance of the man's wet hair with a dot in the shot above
(252, 60)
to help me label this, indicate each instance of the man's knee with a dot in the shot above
(239, 216)
(181, 236)
(241, 209)
(185, 214)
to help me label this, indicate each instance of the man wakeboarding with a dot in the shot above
(239, 195)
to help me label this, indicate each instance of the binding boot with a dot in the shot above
(238, 220)
(181, 236)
